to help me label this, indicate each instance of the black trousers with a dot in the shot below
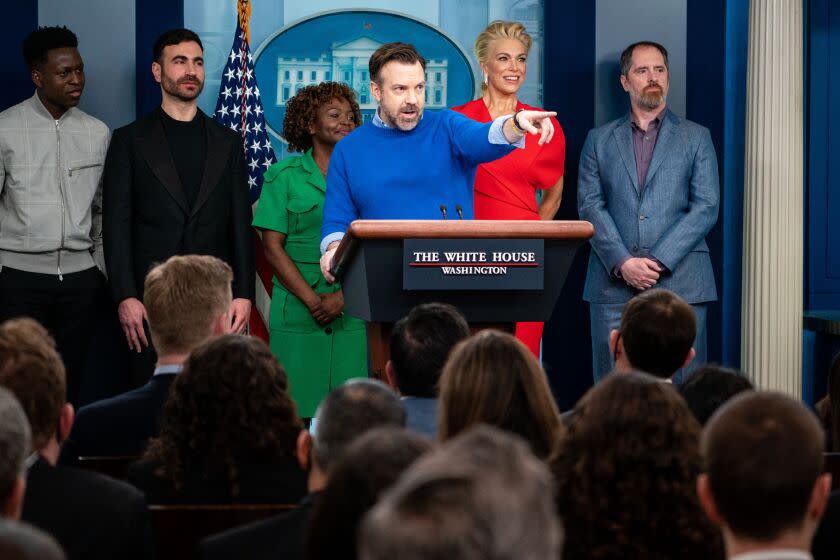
(67, 308)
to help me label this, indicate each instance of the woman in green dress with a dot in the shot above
(319, 346)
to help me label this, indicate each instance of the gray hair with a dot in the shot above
(15, 442)
(480, 496)
(20, 541)
(350, 410)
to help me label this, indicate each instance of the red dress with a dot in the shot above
(505, 189)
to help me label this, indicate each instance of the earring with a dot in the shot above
(485, 79)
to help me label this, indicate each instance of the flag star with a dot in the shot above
(223, 110)
(247, 126)
(248, 92)
(233, 125)
(247, 110)
(226, 92)
(236, 110)
(252, 181)
(229, 74)
(257, 127)
(250, 58)
(249, 74)
(256, 145)
(258, 110)
(232, 55)
(237, 92)
(267, 162)
(256, 91)
(253, 164)
(239, 73)
(267, 145)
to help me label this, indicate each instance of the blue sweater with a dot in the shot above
(386, 173)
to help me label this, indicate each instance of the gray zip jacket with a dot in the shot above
(51, 189)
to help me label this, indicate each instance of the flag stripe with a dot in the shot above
(239, 108)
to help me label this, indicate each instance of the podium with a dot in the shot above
(495, 272)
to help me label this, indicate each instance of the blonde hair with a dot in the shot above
(499, 29)
(183, 296)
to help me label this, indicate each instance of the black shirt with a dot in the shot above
(187, 144)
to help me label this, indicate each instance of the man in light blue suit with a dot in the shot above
(649, 184)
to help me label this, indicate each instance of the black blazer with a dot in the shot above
(280, 536)
(121, 425)
(277, 483)
(90, 515)
(146, 218)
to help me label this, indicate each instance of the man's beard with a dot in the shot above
(172, 88)
(394, 120)
(651, 99)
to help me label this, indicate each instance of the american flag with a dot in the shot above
(239, 107)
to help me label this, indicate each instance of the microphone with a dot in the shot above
(460, 212)
(443, 210)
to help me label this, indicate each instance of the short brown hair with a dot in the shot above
(626, 60)
(399, 52)
(658, 329)
(31, 368)
(492, 378)
(763, 454)
(183, 296)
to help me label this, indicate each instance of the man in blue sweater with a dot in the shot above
(409, 165)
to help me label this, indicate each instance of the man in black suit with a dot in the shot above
(175, 183)
(346, 413)
(90, 515)
(187, 300)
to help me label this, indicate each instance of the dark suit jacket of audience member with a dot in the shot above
(276, 483)
(90, 515)
(421, 415)
(121, 425)
(826, 543)
(280, 536)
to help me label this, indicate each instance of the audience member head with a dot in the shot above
(763, 481)
(324, 113)
(656, 334)
(481, 495)
(420, 343)
(397, 78)
(370, 464)
(187, 300)
(19, 541)
(709, 386)
(230, 404)
(32, 370)
(492, 378)
(56, 67)
(829, 407)
(347, 412)
(15, 445)
(626, 473)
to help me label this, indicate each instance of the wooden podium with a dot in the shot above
(495, 272)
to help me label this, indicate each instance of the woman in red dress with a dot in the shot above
(506, 189)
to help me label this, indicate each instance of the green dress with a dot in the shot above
(316, 357)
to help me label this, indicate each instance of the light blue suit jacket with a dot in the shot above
(667, 220)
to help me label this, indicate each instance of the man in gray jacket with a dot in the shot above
(51, 157)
